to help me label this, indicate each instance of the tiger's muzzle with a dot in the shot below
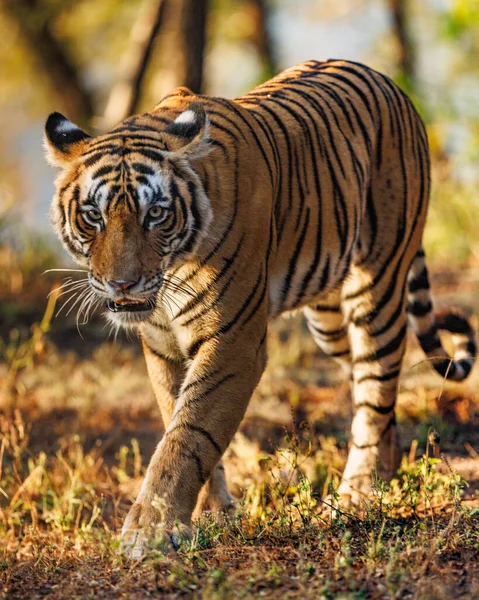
(128, 302)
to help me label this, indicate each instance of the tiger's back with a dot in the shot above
(353, 176)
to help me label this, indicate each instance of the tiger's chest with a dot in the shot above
(160, 337)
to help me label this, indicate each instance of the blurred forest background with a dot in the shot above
(78, 420)
(99, 61)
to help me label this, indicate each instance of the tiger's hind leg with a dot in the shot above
(325, 321)
(377, 320)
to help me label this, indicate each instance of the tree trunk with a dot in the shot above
(193, 40)
(402, 33)
(262, 38)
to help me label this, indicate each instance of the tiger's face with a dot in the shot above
(128, 204)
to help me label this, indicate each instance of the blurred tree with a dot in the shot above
(179, 54)
(181, 25)
(34, 20)
(405, 46)
(192, 42)
(125, 95)
(262, 38)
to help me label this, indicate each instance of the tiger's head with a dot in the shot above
(128, 204)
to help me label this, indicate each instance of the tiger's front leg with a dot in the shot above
(166, 369)
(207, 413)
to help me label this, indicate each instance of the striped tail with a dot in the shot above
(426, 324)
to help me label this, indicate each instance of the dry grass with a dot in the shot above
(78, 429)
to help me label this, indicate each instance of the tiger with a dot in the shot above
(206, 217)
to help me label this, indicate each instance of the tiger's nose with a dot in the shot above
(122, 284)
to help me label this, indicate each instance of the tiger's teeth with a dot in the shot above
(130, 301)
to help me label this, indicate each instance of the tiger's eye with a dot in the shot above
(95, 215)
(155, 211)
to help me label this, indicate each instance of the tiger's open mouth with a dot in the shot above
(130, 305)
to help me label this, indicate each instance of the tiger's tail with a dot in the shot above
(427, 324)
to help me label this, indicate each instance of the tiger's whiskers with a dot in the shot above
(65, 271)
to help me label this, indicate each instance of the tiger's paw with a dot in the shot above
(144, 532)
(365, 466)
(354, 491)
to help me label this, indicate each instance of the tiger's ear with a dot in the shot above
(63, 140)
(187, 135)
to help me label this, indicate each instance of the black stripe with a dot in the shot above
(419, 282)
(151, 154)
(160, 355)
(142, 168)
(199, 397)
(265, 278)
(268, 134)
(445, 367)
(225, 117)
(102, 171)
(471, 347)
(201, 431)
(466, 364)
(194, 348)
(327, 336)
(294, 259)
(196, 228)
(417, 309)
(386, 350)
(361, 94)
(430, 341)
(200, 380)
(379, 378)
(382, 410)
(327, 308)
(338, 354)
(454, 323)
(262, 340)
(199, 465)
(193, 303)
